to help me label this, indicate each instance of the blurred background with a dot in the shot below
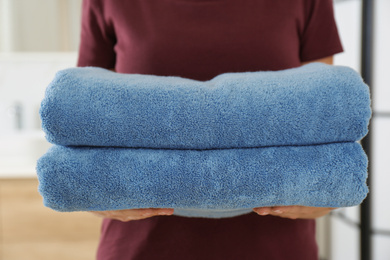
(40, 37)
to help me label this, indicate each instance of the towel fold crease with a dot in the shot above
(313, 104)
(216, 182)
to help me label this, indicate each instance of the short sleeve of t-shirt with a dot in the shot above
(319, 38)
(97, 37)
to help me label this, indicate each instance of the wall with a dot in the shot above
(344, 241)
(39, 25)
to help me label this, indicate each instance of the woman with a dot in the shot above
(200, 39)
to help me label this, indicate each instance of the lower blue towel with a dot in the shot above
(202, 183)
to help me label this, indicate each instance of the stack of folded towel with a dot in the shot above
(214, 148)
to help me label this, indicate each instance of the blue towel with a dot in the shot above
(203, 183)
(313, 104)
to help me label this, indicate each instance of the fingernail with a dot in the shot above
(263, 212)
(164, 213)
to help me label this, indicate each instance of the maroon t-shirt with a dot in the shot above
(200, 39)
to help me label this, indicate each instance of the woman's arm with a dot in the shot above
(125, 215)
(326, 60)
(294, 212)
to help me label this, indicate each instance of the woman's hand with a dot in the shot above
(132, 214)
(293, 212)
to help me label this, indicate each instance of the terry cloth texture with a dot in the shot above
(313, 104)
(207, 149)
(208, 183)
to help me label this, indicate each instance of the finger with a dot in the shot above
(154, 212)
(132, 214)
(138, 214)
(293, 212)
(302, 212)
(112, 214)
(263, 211)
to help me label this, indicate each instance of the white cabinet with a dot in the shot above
(29, 231)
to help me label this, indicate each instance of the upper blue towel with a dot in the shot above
(313, 104)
